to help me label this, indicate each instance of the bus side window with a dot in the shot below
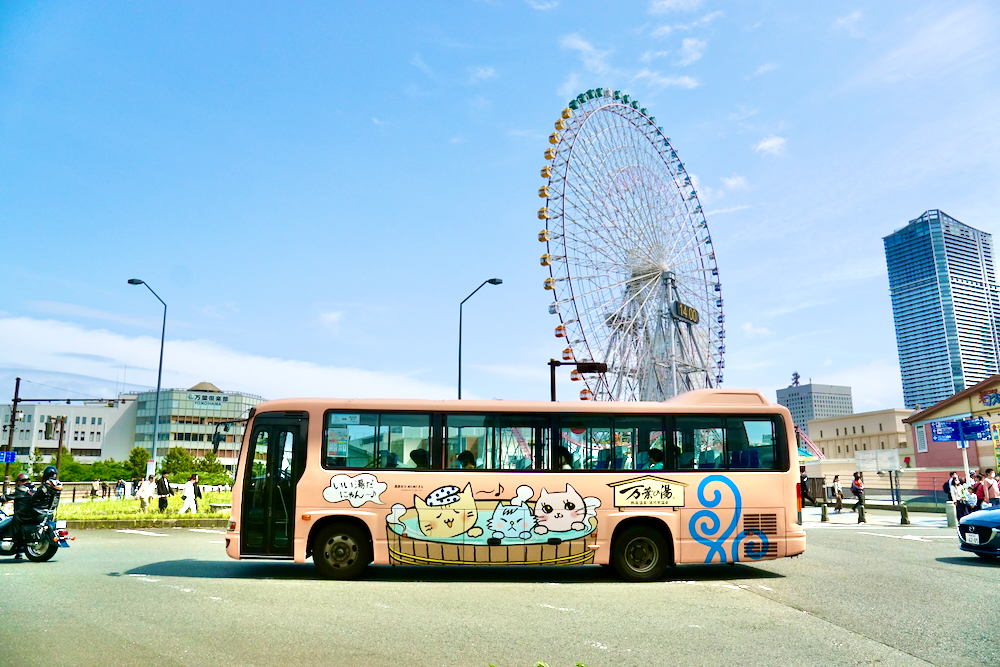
(751, 443)
(700, 441)
(349, 439)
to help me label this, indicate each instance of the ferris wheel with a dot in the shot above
(630, 258)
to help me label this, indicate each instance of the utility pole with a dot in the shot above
(62, 424)
(10, 435)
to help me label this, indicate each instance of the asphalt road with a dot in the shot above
(868, 595)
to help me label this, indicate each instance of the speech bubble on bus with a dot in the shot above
(357, 490)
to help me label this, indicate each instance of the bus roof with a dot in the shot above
(702, 400)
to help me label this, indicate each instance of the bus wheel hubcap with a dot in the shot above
(641, 554)
(341, 551)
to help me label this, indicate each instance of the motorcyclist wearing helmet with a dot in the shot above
(47, 494)
(23, 511)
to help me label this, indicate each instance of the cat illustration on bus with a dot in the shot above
(451, 513)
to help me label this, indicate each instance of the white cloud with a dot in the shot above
(331, 320)
(72, 310)
(570, 87)
(766, 67)
(772, 145)
(735, 182)
(723, 211)
(664, 6)
(691, 51)
(662, 31)
(750, 331)
(542, 6)
(419, 63)
(948, 45)
(593, 59)
(377, 121)
(656, 79)
(482, 74)
(98, 353)
(850, 23)
(649, 56)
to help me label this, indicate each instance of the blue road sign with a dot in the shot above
(976, 429)
(7, 457)
(946, 431)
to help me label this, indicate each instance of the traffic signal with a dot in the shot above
(50, 429)
(216, 439)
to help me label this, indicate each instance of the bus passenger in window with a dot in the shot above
(655, 459)
(562, 459)
(419, 458)
(467, 460)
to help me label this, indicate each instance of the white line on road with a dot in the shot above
(914, 538)
(764, 587)
(206, 530)
(141, 532)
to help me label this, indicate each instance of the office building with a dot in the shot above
(101, 430)
(94, 431)
(189, 418)
(945, 306)
(841, 437)
(815, 401)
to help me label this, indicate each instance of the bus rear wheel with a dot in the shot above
(640, 554)
(341, 551)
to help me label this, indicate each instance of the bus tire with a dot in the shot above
(640, 554)
(341, 551)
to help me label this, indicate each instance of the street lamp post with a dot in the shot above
(491, 281)
(159, 373)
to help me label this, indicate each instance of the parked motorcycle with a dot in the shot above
(43, 539)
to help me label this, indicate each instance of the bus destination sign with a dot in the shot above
(685, 312)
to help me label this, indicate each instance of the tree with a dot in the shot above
(136, 463)
(209, 464)
(37, 463)
(176, 461)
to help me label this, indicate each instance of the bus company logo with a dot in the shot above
(989, 398)
(685, 312)
(648, 491)
(357, 490)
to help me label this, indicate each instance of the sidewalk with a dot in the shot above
(873, 517)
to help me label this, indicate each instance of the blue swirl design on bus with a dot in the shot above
(705, 524)
(754, 551)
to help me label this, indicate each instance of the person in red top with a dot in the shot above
(858, 489)
(991, 491)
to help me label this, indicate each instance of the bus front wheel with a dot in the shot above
(341, 551)
(640, 554)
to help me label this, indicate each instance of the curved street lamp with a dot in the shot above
(159, 373)
(491, 281)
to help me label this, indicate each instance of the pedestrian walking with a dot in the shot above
(120, 489)
(838, 494)
(147, 489)
(104, 488)
(135, 487)
(197, 492)
(979, 492)
(804, 486)
(858, 489)
(163, 490)
(95, 487)
(188, 495)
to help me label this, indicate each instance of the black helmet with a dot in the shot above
(23, 477)
(50, 471)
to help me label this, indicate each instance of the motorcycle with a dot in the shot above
(43, 540)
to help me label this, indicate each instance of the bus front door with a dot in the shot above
(274, 465)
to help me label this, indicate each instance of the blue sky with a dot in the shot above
(313, 188)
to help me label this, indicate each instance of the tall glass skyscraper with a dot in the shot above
(945, 305)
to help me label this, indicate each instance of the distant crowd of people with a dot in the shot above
(153, 487)
(981, 489)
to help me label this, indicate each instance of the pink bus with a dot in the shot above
(706, 477)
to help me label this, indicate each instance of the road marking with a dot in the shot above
(914, 538)
(206, 530)
(548, 606)
(141, 532)
(735, 588)
(764, 587)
